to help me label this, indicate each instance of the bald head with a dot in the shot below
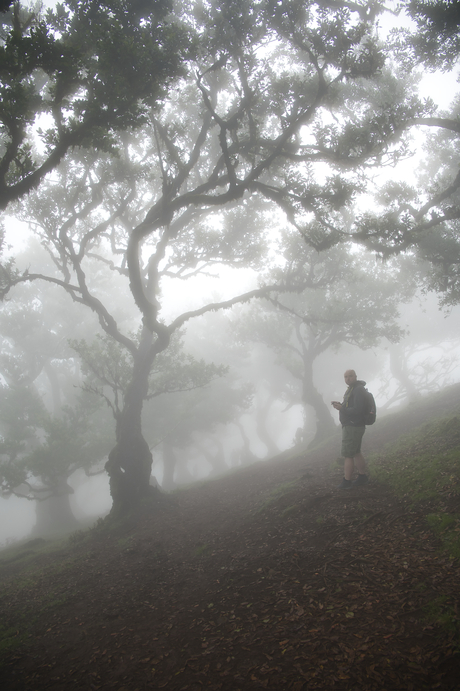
(350, 377)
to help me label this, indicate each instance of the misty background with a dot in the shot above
(241, 380)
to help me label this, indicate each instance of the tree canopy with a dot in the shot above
(436, 41)
(420, 213)
(75, 76)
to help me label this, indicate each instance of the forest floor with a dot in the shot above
(267, 578)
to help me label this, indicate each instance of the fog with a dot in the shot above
(251, 411)
(222, 295)
(266, 421)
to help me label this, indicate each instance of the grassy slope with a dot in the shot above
(422, 466)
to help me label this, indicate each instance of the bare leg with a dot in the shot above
(348, 467)
(360, 463)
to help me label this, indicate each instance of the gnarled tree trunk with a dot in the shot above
(169, 466)
(261, 415)
(54, 515)
(325, 425)
(130, 461)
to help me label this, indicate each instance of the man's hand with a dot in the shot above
(336, 405)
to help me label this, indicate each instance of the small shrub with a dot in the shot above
(289, 510)
(443, 612)
(77, 537)
(201, 550)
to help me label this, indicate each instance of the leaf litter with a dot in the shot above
(234, 585)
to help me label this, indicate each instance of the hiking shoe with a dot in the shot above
(360, 480)
(345, 484)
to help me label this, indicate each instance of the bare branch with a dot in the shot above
(226, 304)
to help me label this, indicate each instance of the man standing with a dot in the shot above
(352, 413)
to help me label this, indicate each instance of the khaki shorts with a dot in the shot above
(351, 440)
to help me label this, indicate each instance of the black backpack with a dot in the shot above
(371, 410)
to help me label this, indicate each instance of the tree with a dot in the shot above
(75, 77)
(193, 425)
(48, 428)
(426, 359)
(107, 370)
(438, 247)
(39, 453)
(423, 217)
(79, 439)
(266, 421)
(416, 370)
(21, 413)
(436, 41)
(185, 397)
(227, 145)
(350, 299)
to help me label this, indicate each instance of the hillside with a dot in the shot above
(266, 578)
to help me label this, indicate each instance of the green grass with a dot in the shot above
(12, 635)
(289, 510)
(37, 562)
(276, 494)
(26, 556)
(424, 464)
(201, 550)
(15, 632)
(11, 638)
(443, 612)
(447, 526)
(284, 488)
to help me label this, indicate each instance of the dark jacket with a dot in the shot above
(354, 405)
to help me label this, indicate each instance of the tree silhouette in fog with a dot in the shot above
(349, 299)
(421, 215)
(283, 109)
(49, 427)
